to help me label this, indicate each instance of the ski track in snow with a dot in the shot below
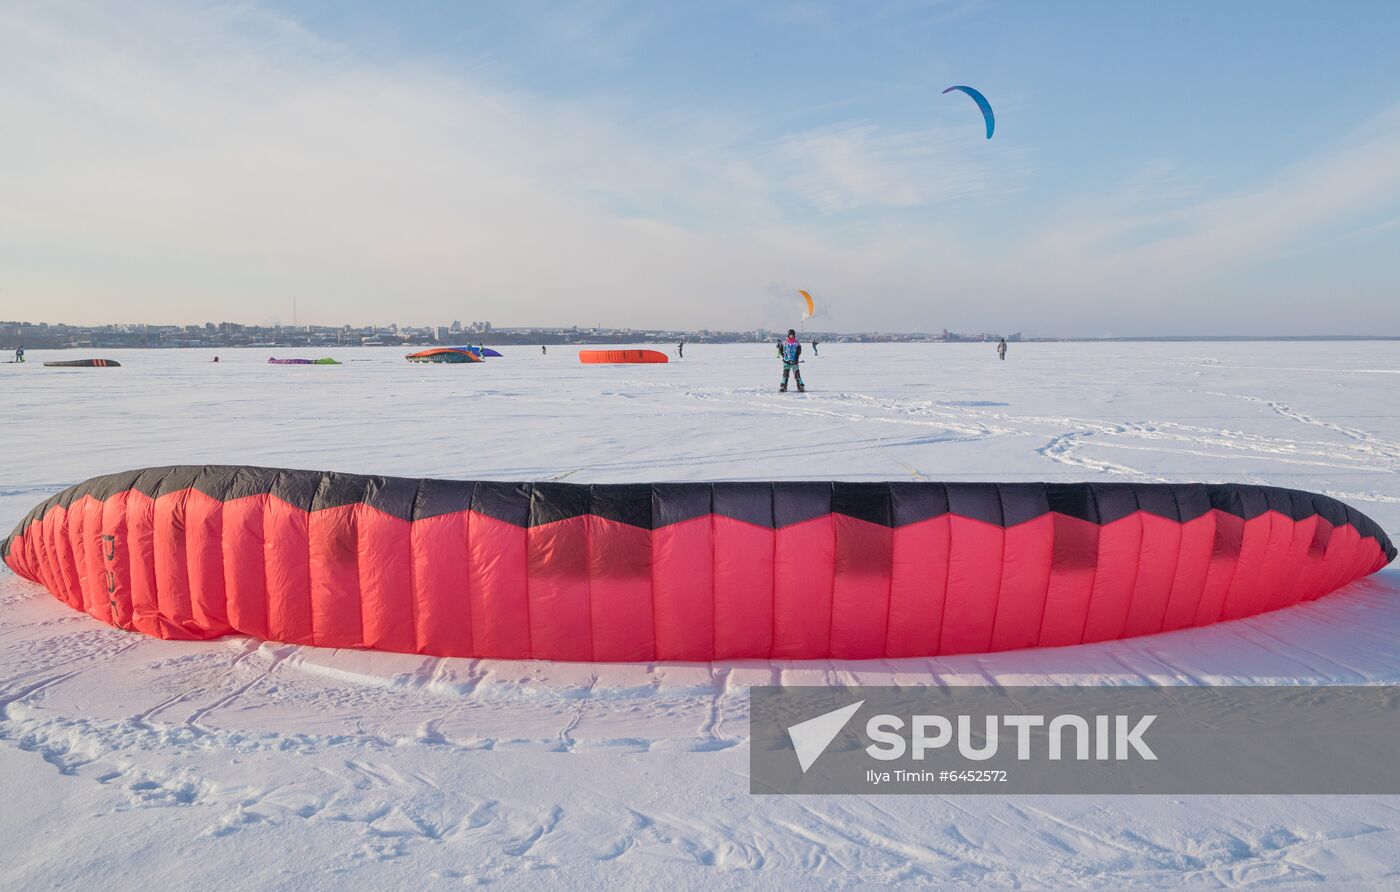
(130, 760)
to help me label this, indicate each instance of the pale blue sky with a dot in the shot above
(1157, 168)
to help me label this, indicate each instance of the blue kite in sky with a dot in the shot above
(982, 103)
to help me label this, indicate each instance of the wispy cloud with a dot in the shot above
(187, 160)
(601, 32)
(1154, 240)
(856, 166)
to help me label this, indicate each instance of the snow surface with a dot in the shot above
(127, 761)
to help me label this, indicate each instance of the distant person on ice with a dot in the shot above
(814, 348)
(1001, 349)
(791, 353)
(544, 351)
(680, 350)
(19, 353)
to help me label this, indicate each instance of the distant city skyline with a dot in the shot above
(1182, 169)
(51, 336)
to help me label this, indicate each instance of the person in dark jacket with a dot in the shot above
(791, 353)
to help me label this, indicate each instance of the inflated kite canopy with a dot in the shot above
(976, 95)
(621, 356)
(84, 364)
(445, 355)
(679, 571)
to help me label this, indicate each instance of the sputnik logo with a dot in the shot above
(811, 738)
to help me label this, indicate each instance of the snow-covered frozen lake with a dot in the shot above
(128, 761)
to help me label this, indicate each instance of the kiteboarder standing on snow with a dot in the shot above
(791, 353)
(680, 350)
(19, 353)
(544, 351)
(814, 348)
(1001, 350)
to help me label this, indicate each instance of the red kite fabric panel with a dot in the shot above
(679, 571)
